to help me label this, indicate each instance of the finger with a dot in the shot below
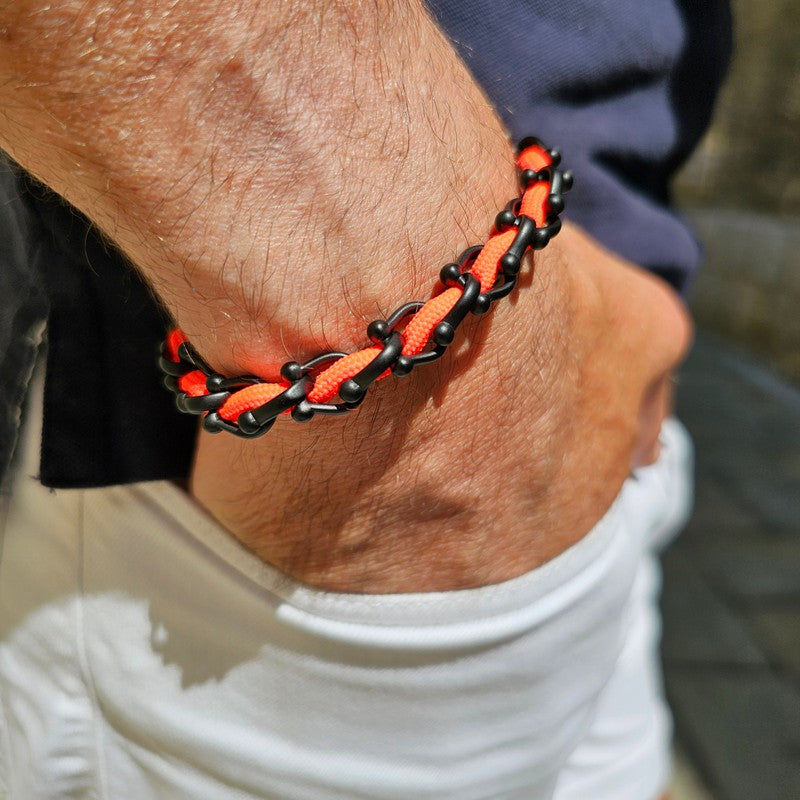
(655, 408)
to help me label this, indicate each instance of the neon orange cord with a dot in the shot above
(536, 204)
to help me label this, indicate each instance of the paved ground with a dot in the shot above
(732, 583)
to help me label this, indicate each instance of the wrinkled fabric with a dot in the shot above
(23, 307)
(145, 654)
(625, 88)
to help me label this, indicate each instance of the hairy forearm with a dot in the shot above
(285, 172)
(199, 135)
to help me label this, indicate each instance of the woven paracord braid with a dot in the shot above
(416, 333)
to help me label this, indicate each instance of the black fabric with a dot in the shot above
(107, 419)
(23, 306)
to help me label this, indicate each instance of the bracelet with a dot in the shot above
(416, 333)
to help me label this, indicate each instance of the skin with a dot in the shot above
(287, 174)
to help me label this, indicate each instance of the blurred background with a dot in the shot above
(731, 604)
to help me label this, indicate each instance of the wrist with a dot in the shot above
(338, 228)
(426, 486)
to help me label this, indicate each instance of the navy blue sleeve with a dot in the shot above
(625, 88)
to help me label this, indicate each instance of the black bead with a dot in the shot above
(505, 220)
(212, 422)
(291, 371)
(529, 141)
(566, 181)
(541, 238)
(185, 352)
(402, 366)
(214, 382)
(527, 177)
(377, 331)
(482, 304)
(449, 274)
(555, 203)
(510, 264)
(302, 412)
(443, 334)
(247, 422)
(555, 157)
(351, 392)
